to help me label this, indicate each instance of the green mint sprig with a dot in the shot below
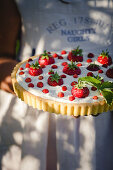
(36, 65)
(104, 87)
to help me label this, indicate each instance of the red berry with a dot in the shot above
(64, 63)
(105, 65)
(51, 72)
(45, 91)
(21, 68)
(79, 64)
(109, 72)
(54, 66)
(75, 76)
(30, 85)
(71, 98)
(90, 74)
(93, 67)
(30, 59)
(104, 58)
(27, 65)
(71, 71)
(40, 84)
(95, 97)
(93, 88)
(51, 82)
(64, 88)
(74, 83)
(35, 71)
(63, 52)
(55, 55)
(60, 57)
(89, 60)
(21, 73)
(40, 77)
(60, 94)
(80, 92)
(63, 76)
(27, 80)
(90, 55)
(46, 59)
(42, 66)
(100, 71)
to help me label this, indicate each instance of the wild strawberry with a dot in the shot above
(51, 72)
(46, 59)
(60, 94)
(64, 88)
(74, 83)
(40, 84)
(100, 71)
(30, 85)
(21, 68)
(90, 55)
(60, 57)
(27, 65)
(55, 80)
(75, 76)
(95, 97)
(104, 58)
(21, 73)
(45, 91)
(90, 74)
(93, 67)
(35, 69)
(79, 64)
(71, 69)
(40, 77)
(71, 98)
(54, 66)
(75, 55)
(93, 88)
(55, 55)
(63, 52)
(80, 91)
(109, 72)
(89, 60)
(64, 63)
(63, 76)
(27, 80)
(30, 59)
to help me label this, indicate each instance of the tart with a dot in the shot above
(54, 83)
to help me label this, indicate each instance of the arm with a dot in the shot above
(9, 30)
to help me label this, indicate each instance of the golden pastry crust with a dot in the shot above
(75, 109)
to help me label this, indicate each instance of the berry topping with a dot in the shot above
(35, 69)
(60, 94)
(71, 69)
(54, 66)
(90, 55)
(45, 91)
(27, 65)
(93, 67)
(90, 74)
(74, 83)
(93, 88)
(76, 55)
(63, 76)
(30, 59)
(40, 77)
(75, 76)
(71, 98)
(64, 88)
(109, 72)
(100, 71)
(104, 58)
(27, 80)
(89, 60)
(55, 55)
(63, 52)
(30, 85)
(40, 84)
(55, 80)
(21, 73)
(64, 63)
(79, 64)
(46, 59)
(21, 68)
(51, 72)
(95, 97)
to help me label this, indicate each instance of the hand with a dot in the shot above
(6, 67)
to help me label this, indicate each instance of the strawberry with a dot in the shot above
(27, 80)
(93, 88)
(54, 66)
(45, 91)
(89, 60)
(71, 98)
(90, 55)
(95, 97)
(79, 64)
(55, 55)
(80, 91)
(21, 73)
(46, 59)
(64, 88)
(71, 69)
(30, 85)
(109, 72)
(90, 74)
(100, 71)
(75, 55)
(35, 69)
(104, 58)
(55, 80)
(60, 94)
(40, 77)
(63, 52)
(63, 76)
(64, 63)
(93, 67)
(74, 83)
(75, 76)
(60, 57)
(21, 68)
(27, 65)
(40, 84)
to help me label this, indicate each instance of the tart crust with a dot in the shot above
(75, 109)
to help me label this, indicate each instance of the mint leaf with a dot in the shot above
(108, 95)
(107, 84)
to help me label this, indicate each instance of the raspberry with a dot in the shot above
(75, 76)
(90, 74)
(71, 98)
(55, 55)
(74, 83)
(93, 88)
(30, 59)
(40, 77)
(63, 76)
(60, 57)
(54, 66)
(21, 73)
(30, 85)
(95, 97)
(27, 65)
(64, 88)
(45, 91)
(27, 80)
(79, 64)
(90, 55)
(60, 94)
(40, 84)
(63, 52)
(100, 71)
(21, 68)
(64, 63)
(89, 60)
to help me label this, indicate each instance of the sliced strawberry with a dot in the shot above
(55, 55)
(27, 80)
(75, 76)
(64, 88)
(35, 69)
(76, 55)
(40, 84)
(74, 83)
(93, 67)
(27, 65)
(64, 63)
(89, 60)
(71, 69)
(80, 92)
(93, 88)
(45, 91)
(71, 98)
(109, 72)
(46, 59)
(100, 71)
(90, 55)
(60, 57)
(63, 76)
(79, 64)
(21, 73)
(104, 58)
(60, 94)
(40, 77)
(30, 85)
(21, 68)
(54, 66)
(63, 52)
(55, 80)
(95, 97)
(90, 74)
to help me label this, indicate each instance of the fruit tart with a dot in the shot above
(66, 82)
